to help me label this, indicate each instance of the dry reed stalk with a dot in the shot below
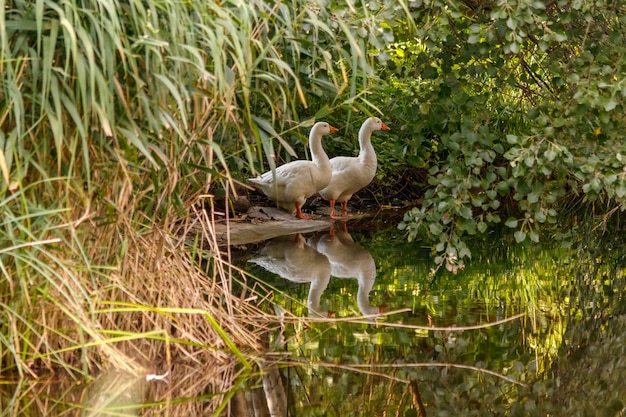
(151, 316)
(160, 274)
(147, 311)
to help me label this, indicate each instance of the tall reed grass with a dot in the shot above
(118, 121)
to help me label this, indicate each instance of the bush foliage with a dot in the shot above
(515, 108)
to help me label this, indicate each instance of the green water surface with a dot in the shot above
(562, 354)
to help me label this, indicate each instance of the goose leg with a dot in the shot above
(332, 208)
(299, 213)
(344, 208)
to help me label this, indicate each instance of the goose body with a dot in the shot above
(291, 184)
(350, 174)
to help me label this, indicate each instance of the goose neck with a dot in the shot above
(318, 155)
(366, 150)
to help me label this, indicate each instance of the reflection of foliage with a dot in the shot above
(587, 379)
(592, 373)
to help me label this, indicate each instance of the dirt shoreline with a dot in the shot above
(262, 223)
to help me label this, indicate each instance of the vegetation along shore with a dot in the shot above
(129, 131)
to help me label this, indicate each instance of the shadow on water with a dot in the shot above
(365, 328)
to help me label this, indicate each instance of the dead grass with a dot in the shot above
(167, 308)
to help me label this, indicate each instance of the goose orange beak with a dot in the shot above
(384, 127)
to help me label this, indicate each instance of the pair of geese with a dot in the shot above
(336, 179)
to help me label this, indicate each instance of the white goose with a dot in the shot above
(350, 174)
(291, 184)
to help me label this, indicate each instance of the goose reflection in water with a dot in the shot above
(291, 258)
(348, 259)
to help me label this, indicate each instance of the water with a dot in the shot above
(367, 328)
(563, 346)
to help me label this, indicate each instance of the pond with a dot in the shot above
(523, 330)
(366, 327)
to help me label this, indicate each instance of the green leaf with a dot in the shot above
(137, 142)
(550, 154)
(511, 23)
(466, 212)
(448, 182)
(540, 216)
(493, 218)
(323, 112)
(435, 228)
(610, 105)
(534, 236)
(520, 236)
(511, 222)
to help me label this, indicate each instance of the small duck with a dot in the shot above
(291, 184)
(350, 174)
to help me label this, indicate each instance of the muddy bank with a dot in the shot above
(262, 223)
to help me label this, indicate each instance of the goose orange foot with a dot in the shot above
(344, 210)
(299, 213)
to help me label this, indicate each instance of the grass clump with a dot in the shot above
(117, 120)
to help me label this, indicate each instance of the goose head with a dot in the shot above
(320, 129)
(374, 123)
